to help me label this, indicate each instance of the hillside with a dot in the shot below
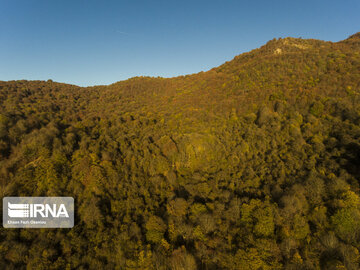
(250, 165)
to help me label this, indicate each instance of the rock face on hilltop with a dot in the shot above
(251, 165)
(354, 37)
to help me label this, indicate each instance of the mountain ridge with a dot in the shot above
(354, 38)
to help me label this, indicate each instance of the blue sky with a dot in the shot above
(92, 42)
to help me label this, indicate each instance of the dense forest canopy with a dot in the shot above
(251, 165)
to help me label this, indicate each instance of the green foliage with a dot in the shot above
(264, 225)
(317, 108)
(346, 223)
(155, 229)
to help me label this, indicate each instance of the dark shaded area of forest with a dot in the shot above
(251, 165)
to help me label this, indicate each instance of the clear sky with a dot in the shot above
(91, 42)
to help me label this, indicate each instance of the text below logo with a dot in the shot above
(38, 212)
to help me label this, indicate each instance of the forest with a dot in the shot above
(252, 165)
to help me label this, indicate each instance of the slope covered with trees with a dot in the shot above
(251, 165)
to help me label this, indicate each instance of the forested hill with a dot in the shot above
(250, 165)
